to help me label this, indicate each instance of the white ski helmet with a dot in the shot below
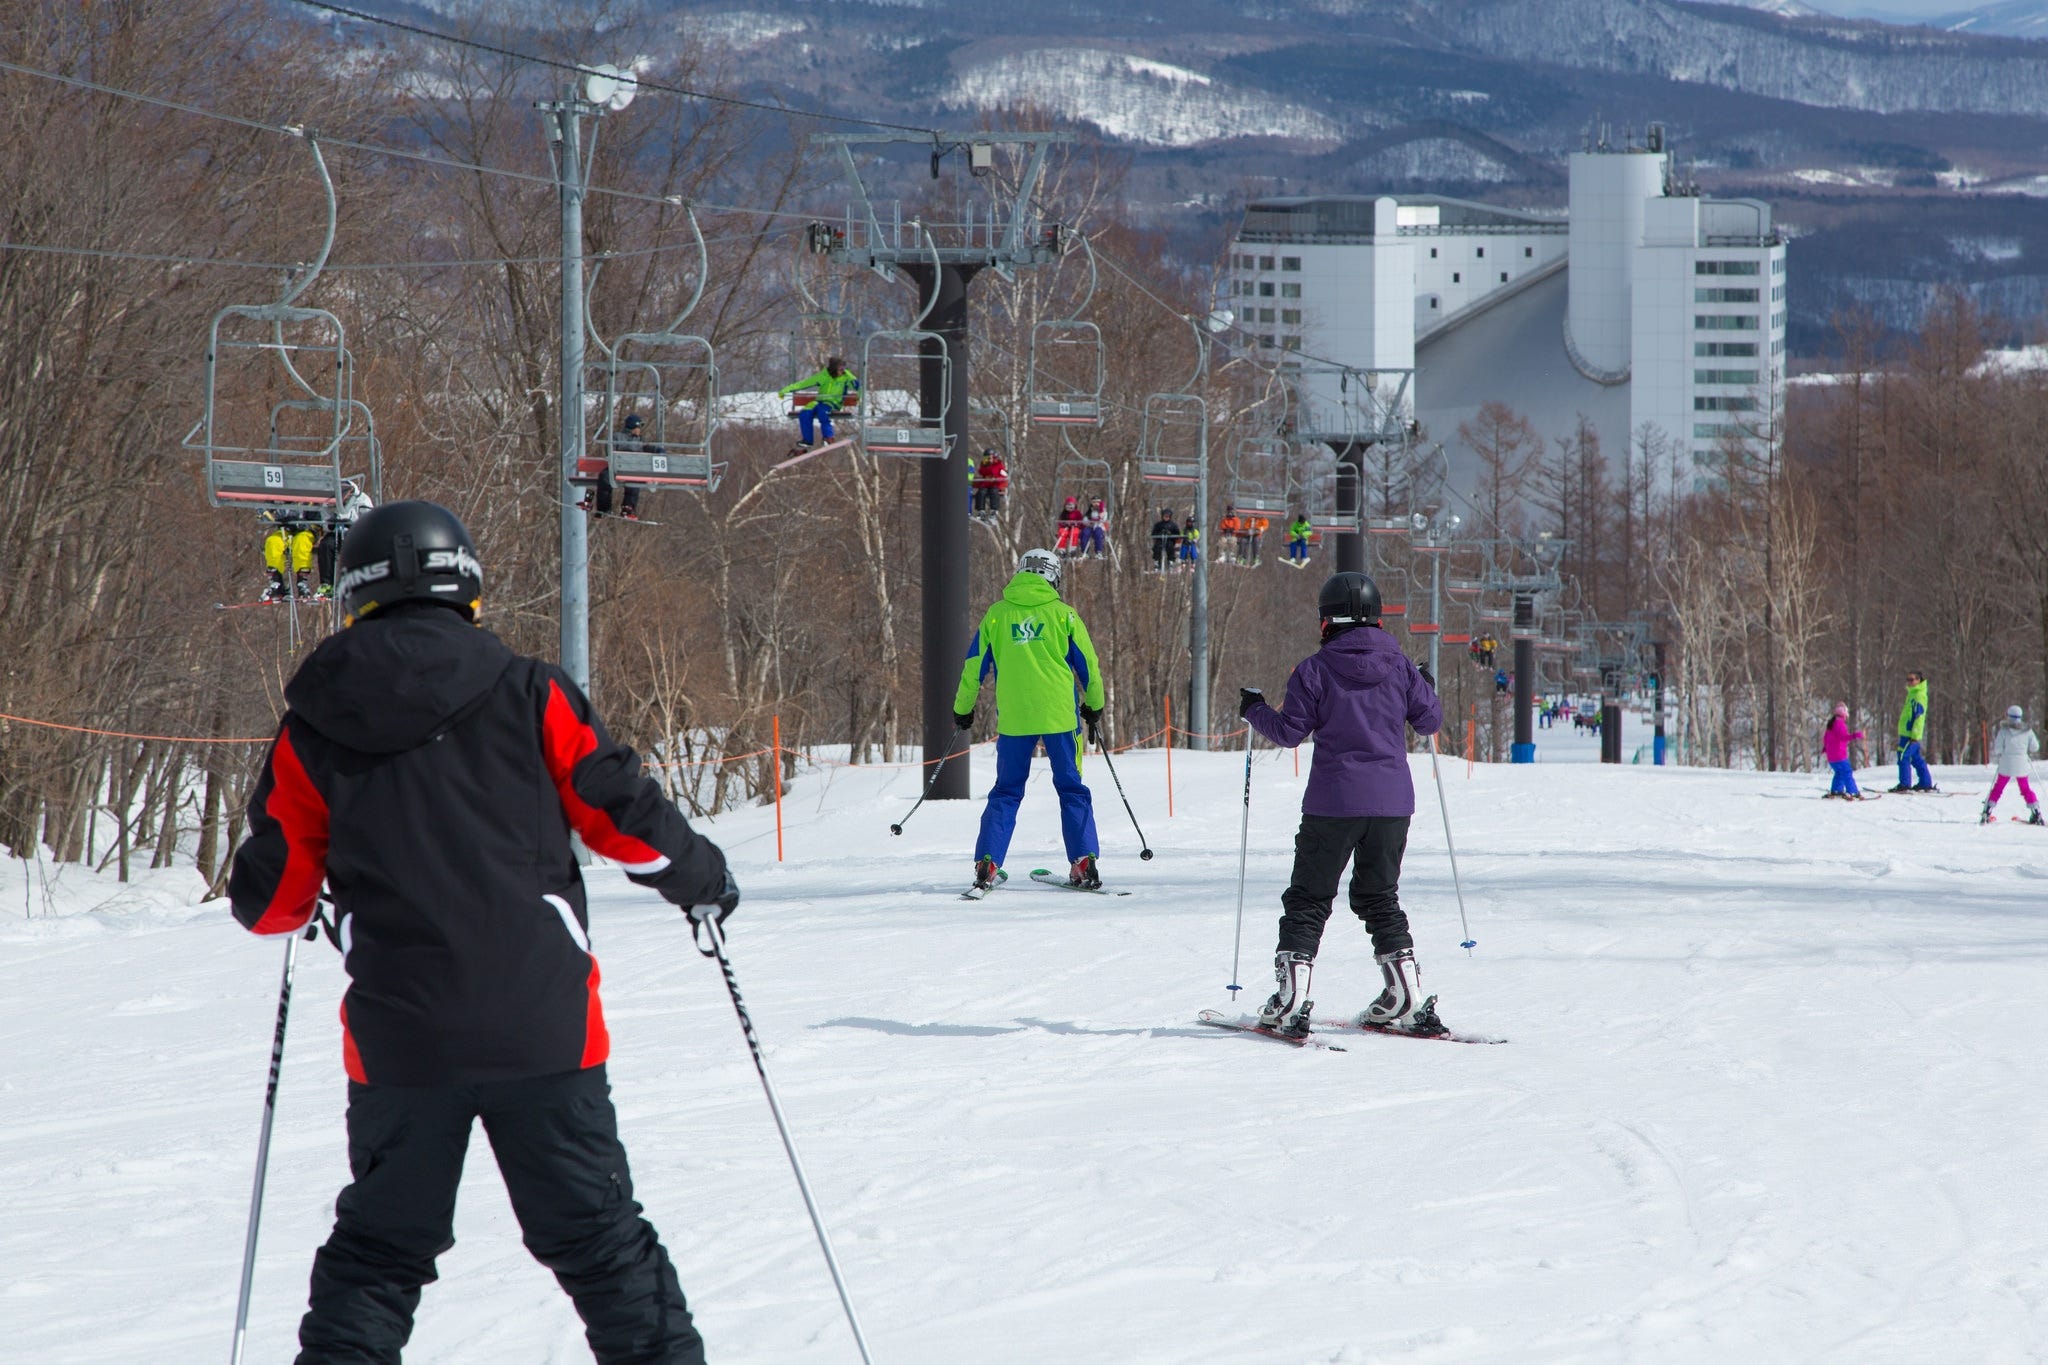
(2015, 714)
(1044, 563)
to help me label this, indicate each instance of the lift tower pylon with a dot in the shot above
(941, 260)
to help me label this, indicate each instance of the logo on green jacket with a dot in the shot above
(1025, 631)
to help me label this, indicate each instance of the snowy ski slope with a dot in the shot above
(1773, 1094)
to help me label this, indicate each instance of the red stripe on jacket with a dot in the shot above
(301, 815)
(566, 740)
(597, 1039)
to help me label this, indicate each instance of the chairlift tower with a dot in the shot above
(1350, 410)
(941, 260)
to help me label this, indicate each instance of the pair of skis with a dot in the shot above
(1044, 876)
(1249, 1023)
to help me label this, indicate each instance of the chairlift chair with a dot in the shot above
(295, 460)
(1084, 479)
(896, 423)
(1327, 489)
(1065, 369)
(1170, 439)
(1259, 476)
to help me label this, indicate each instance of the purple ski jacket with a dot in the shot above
(1356, 695)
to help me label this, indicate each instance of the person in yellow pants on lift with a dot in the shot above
(291, 539)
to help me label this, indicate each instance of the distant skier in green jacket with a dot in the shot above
(1299, 532)
(1913, 774)
(1048, 683)
(835, 389)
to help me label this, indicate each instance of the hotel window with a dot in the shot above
(1290, 262)
(1290, 290)
(1714, 348)
(1707, 430)
(1723, 322)
(1265, 262)
(1724, 267)
(1724, 296)
(1432, 253)
(1291, 316)
(1454, 277)
(1503, 277)
(1724, 376)
(1716, 403)
(1482, 253)
(1265, 315)
(1265, 289)
(1529, 253)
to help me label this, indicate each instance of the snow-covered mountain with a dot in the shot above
(2009, 18)
(1836, 64)
(1134, 99)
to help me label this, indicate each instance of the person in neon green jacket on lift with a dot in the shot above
(835, 386)
(1040, 656)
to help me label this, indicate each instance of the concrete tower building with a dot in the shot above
(1608, 193)
(1646, 304)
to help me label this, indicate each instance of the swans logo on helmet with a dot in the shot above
(362, 576)
(457, 560)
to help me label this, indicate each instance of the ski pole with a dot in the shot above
(284, 1006)
(1244, 848)
(897, 828)
(1144, 848)
(706, 917)
(1451, 848)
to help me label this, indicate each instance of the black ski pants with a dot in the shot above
(556, 1139)
(1373, 845)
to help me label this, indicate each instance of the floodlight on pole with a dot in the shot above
(610, 86)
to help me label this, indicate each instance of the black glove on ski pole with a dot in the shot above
(944, 758)
(1144, 849)
(284, 1009)
(704, 922)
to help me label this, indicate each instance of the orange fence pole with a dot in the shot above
(775, 755)
(1169, 755)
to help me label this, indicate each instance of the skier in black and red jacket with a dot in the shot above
(430, 777)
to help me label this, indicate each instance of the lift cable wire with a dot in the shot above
(382, 149)
(644, 84)
(360, 266)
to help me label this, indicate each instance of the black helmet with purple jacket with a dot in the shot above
(1349, 599)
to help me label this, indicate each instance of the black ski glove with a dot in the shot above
(963, 720)
(727, 902)
(1427, 676)
(1247, 698)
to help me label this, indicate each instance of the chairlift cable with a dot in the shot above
(578, 67)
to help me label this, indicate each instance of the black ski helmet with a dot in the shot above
(1349, 599)
(408, 552)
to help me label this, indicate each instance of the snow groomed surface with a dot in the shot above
(1773, 1094)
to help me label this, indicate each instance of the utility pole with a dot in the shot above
(1198, 601)
(572, 181)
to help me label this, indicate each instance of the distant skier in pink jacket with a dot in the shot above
(1835, 743)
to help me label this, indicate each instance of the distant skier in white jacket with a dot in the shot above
(2013, 747)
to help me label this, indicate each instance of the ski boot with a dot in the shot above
(1401, 1001)
(2034, 816)
(273, 590)
(1084, 874)
(1286, 1011)
(1984, 815)
(1902, 787)
(303, 587)
(985, 874)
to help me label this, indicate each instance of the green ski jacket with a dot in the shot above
(1040, 654)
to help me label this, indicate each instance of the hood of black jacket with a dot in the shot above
(1364, 656)
(392, 682)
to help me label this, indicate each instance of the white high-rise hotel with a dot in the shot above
(1644, 305)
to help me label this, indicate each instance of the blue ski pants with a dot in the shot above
(1845, 779)
(1912, 766)
(1013, 769)
(821, 413)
